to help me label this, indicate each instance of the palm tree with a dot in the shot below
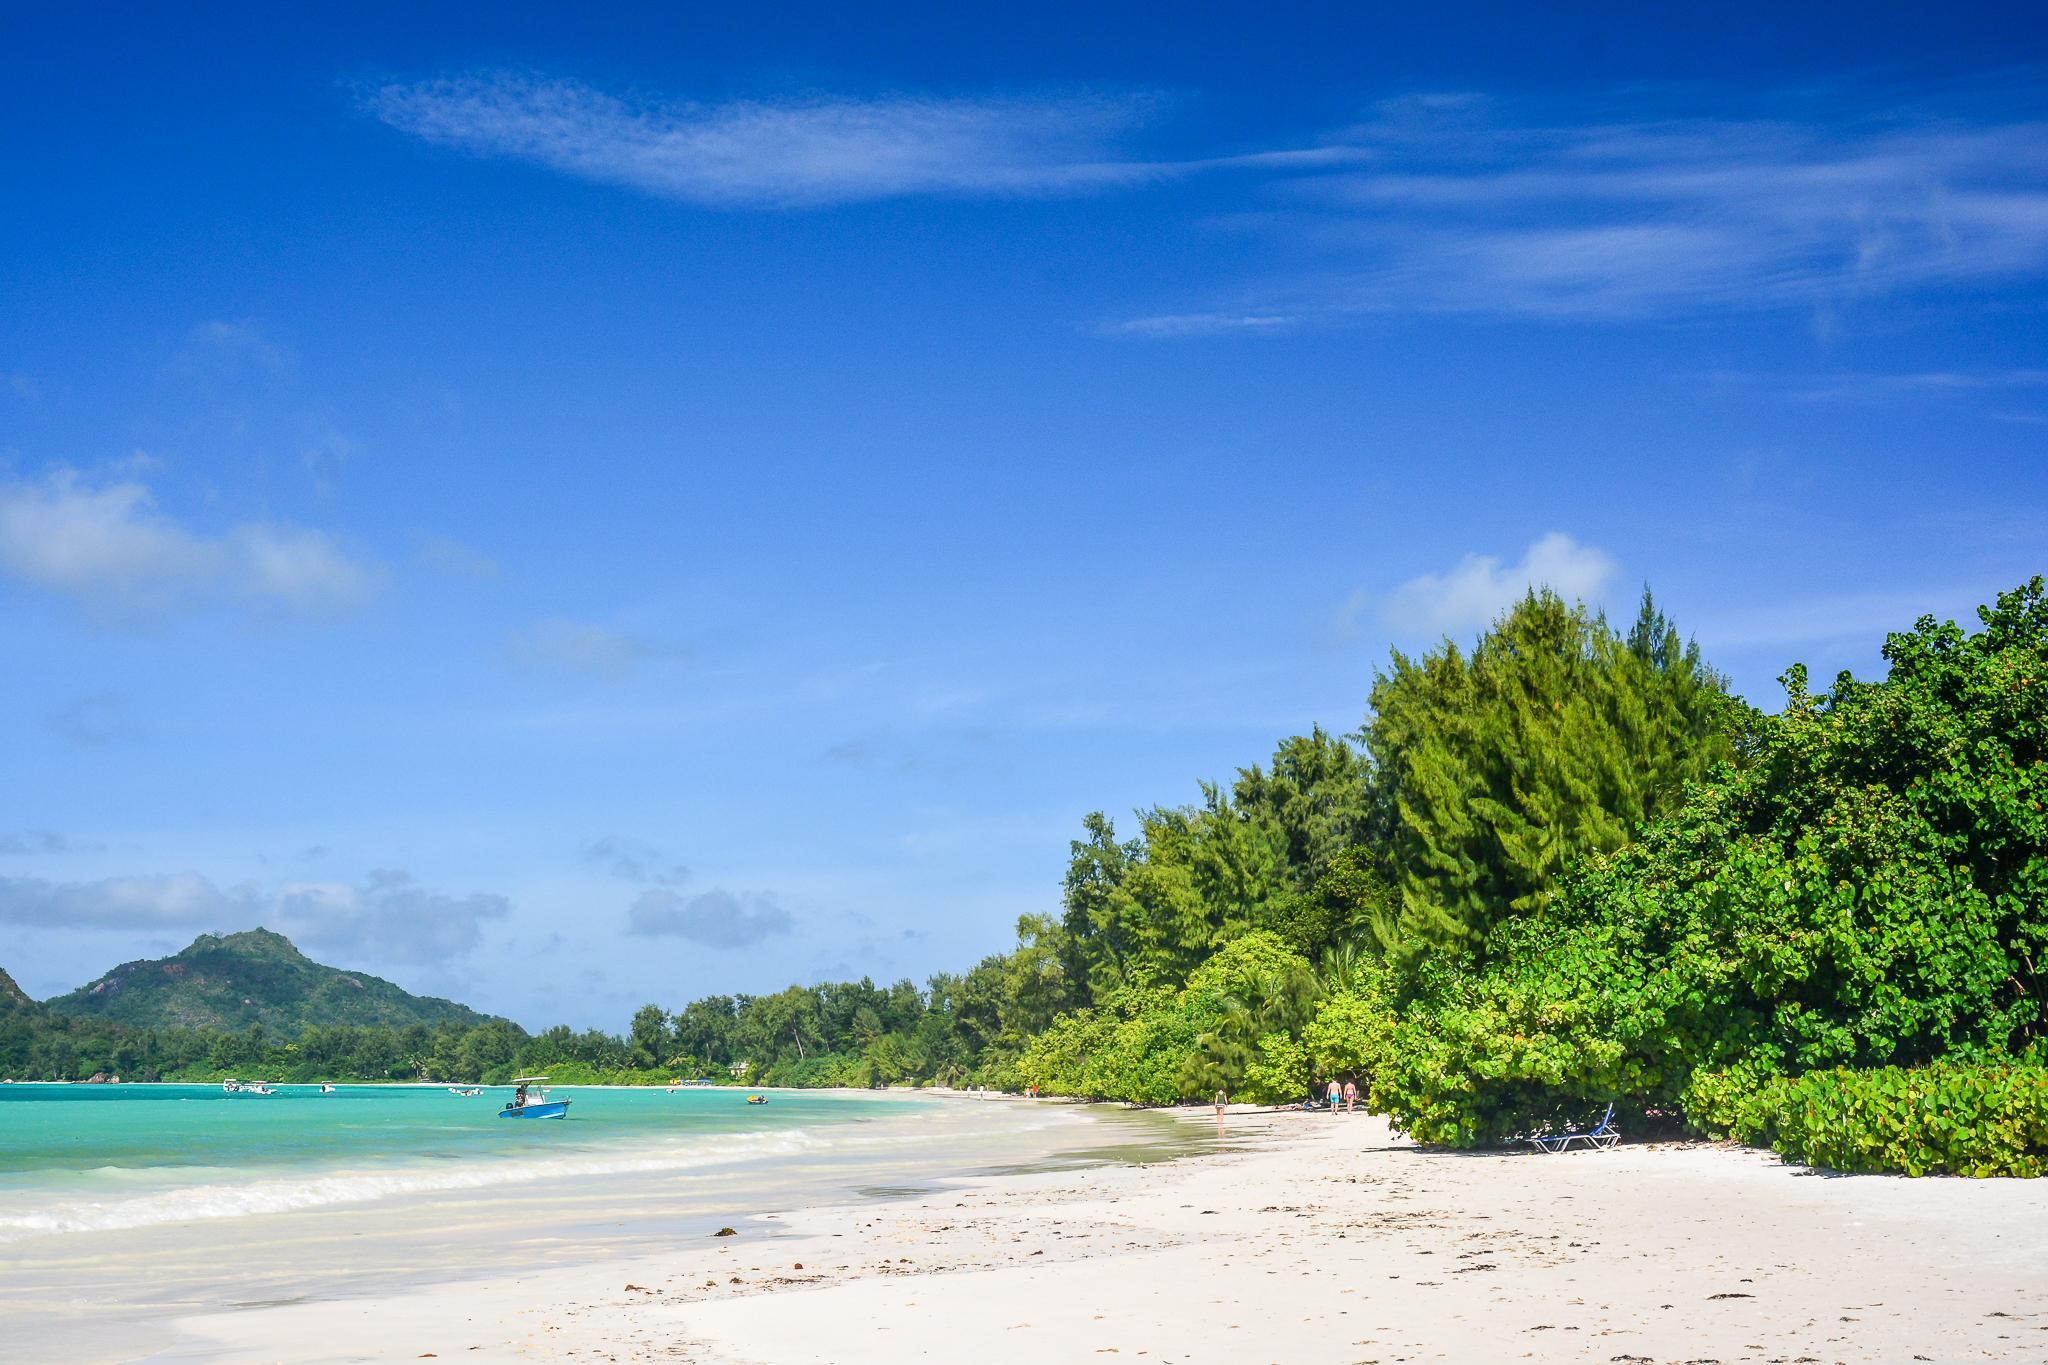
(1279, 1000)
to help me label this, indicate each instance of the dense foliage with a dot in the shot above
(1563, 869)
(1946, 1119)
(1867, 889)
(848, 1033)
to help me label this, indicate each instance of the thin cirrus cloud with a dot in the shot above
(1475, 591)
(1470, 205)
(388, 915)
(767, 153)
(108, 546)
(1452, 203)
(561, 645)
(1871, 388)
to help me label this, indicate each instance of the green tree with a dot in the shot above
(1868, 890)
(1555, 738)
(650, 1037)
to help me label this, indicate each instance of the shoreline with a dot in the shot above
(99, 1264)
(1300, 1236)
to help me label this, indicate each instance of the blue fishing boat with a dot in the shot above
(524, 1105)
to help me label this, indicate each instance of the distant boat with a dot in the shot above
(757, 1099)
(523, 1105)
(230, 1086)
(467, 1091)
(326, 1089)
(256, 1088)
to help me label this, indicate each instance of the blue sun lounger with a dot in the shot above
(1602, 1135)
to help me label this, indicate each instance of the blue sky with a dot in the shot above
(565, 512)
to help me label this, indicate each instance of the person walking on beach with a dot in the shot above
(1221, 1100)
(1350, 1096)
(1336, 1094)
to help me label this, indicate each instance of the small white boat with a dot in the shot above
(230, 1086)
(466, 1091)
(327, 1089)
(256, 1088)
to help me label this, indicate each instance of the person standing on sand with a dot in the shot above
(1221, 1100)
(1336, 1094)
(1350, 1096)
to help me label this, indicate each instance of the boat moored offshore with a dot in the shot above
(526, 1105)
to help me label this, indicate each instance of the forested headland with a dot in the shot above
(1563, 868)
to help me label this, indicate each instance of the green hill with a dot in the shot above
(256, 977)
(12, 997)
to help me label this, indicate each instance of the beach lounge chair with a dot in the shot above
(1602, 1135)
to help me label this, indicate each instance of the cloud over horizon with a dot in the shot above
(1472, 594)
(388, 916)
(711, 919)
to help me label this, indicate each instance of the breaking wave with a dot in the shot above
(285, 1194)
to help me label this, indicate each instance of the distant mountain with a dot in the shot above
(12, 997)
(256, 977)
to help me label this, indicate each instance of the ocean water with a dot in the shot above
(86, 1158)
(124, 1207)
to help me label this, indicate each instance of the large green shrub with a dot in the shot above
(1157, 1046)
(1350, 1034)
(1947, 1119)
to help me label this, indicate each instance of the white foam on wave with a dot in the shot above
(284, 1194)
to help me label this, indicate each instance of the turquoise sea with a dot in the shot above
(125, 1207)
(82, 1158)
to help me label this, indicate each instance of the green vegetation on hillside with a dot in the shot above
(234, 981)
(1562, 869)
(12, 997)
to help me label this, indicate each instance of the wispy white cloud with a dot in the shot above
(1636, 217)
(765, 153)
(560, 645)
(1870, 387)
(1466, 204)
(108, 546)
(300, 569)
(1480, 587)
(1168, 325)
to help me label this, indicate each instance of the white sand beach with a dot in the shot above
(1308, 1238)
